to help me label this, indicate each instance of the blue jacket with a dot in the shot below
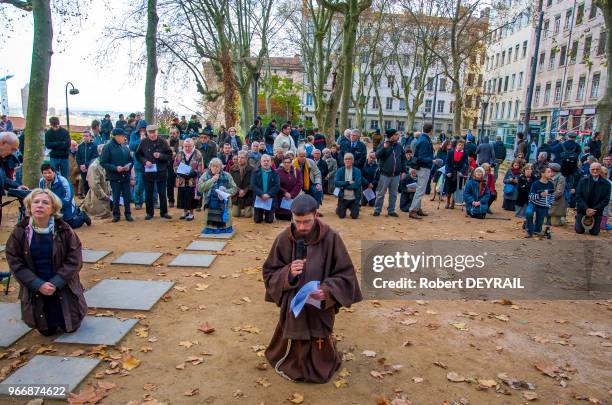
(62, 188)
(114, 155)
(342, 184)
(135, 142)
(370, 174)
(392, 160)
(472, 193)
(423, 152)
(257, 183)
(360, 152)
(86, 153)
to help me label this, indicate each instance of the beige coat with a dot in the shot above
(96, 201)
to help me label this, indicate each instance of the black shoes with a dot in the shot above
(148, 217)
(129, 218)
(86, 219)
(376, 214)
(393, 214)
(167, 216)
(116, 219)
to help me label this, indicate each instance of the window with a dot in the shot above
(557, 24)
(558, 90)
(364, 58)
(541, 62)
(509, 55)
(568, 89)
(580, 14)
(401, 125)
(402, 105)
(387, 124)
(428, 104)
(513, 81)
(496, 60)
(496, 110)
(350, 123)
(547, 93)
(520, 81)
(503, 58)
(562, 55)
(499, 85)
(429, 86)
(503, 110)
(373, 124)
(470, 79)
(374, 103)
(601, 44)
(516, 52)
(442, 84)
(308, 99)
(587, 48)
(390, 80)
(452, 105)
(552, 59)
(581, 83)
(595, 86)
(449, 128)
(536, 96)
(593, 12)
(491, 112)
(509, 109)
(438, 127)
(574, 52)
(440, 106)
(516, 108)
(468, 101)
(568, 19)
(389, 105)
(545, 28)
(548, 3)
(506, 83)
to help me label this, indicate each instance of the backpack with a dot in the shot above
(569, 161)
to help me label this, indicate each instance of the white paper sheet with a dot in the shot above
(222, 194)
(286, 203)
(151, 169)
(336, 191)
(183, 169)
(265, 205)
(369, 194)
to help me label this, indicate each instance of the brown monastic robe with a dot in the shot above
(303, 348)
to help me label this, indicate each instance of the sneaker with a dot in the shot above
(421, 213)
(184, 216)
(167, 216)
(138, 206)
(189, 218)
(129, 218)
(393, 214)
(414, 215)
(148, 217)
(86, 219)
(116, 219)
(376, 214)
(199, 209)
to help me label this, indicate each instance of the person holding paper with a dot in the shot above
(155, 154)
(348, 181)
(303, 347)
(117, 161)
(290, 187)
(265, 184)
(241, 171)
(216, 187)
(369, 180)
(188, 166)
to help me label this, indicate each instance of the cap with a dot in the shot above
(151, 127)
(118, 131)
(390, 132)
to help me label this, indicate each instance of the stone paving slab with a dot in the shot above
(206, 245)
(2, 248)
(12, 327)
(141, 258)
(99, 331)
(51, 370)
(217, 235)
(138, 295)
(192, 260)
(93, 256)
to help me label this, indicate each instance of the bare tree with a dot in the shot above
(151, 75)
(604, 107)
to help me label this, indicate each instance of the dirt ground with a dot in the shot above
(570, 341)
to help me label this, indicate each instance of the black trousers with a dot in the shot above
(351, 205)
(580, 229)
(84, 182)
(121, 189)
(150, 185)
(170, 184)
(260, 214)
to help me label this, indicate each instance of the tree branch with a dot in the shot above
(22, 5)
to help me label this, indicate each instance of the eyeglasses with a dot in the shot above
(594, 170)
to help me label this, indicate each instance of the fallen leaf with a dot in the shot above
(130, 363)
(409, 322)
(369, 353)
(459, 325)
(106, 385)
(146, 349)
(180, 288)
(149, 387)
(341, 383)
(263, 381)
(417, 380)
(454, 377)
(191, 392)
(487, 383)
(186, 343)
(296, 398)
(502, 318)
(440, 364)
(201, 287)
(548, 369)
(45, 349)
(206, 328)
(530, 395)
(262, 365)
(246, 328)
(180, 366)
(142, 332)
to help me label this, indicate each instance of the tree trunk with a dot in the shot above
(331, 105)
(410, 120)
(458, 104)
(230, 91)
(348, 49)
(604, 107)
(42, 50)
(151, 75)
(246, 113)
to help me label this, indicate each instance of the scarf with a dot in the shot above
(296, 164)
(515, 172)
(47, 230)
(457, 155)
(188, 155)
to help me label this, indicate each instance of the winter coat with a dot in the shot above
(257, 183)
(113, 155)
(145, 152)
(559, 206)
(392, 159)
(370, 174)
(359, 151)
(592, 194)
(342, 184)
(67, 263)
(86, 153)
(472, 192)
(97, 201)
(197, 168)
(423, 152)
(58, 141)
(243, 182)
(209, 153)
(485, 152)
(500, 150)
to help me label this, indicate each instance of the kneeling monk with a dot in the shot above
(303, 348)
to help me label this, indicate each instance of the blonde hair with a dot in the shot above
(56, 203)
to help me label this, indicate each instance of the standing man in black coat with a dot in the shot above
(592, 196)
(86, 153)
(500, 154)
(595, 145)
(356, 147)
(155, 154)
(57, 139)
(117, 161)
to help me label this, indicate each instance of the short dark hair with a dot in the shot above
(228, 144)
(427, 128)
(47, 166)
(520, 135)
(54, 121)
(304, 205)
(286, 125)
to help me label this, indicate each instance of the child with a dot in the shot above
(541, 197)
(407, 188)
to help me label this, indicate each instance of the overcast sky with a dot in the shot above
(103, 86)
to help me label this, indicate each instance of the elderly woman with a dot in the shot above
(559, 207)
(511, 185)
(217, 186)
(456, 167)
(290, 186)
(45, 256)
(188, 166)
(97, 201)
(332, 166)
(477, 194)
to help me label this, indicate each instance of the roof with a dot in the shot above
(20, 122)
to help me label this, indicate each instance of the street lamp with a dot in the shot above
(73, 91)
(155, 107)
(486, 98)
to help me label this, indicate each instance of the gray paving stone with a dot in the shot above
(218, 235)
(141, 258)
(126, 294)
(2, 247)
(93, 256)
(192, 260)
(11, 326)
(206, 245)
(99, 331)
(51, 370)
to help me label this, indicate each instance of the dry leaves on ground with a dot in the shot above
(130, 363)
(296, 398)
(206, 328)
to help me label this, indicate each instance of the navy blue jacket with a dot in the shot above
(58, 142)
(62, 188)
(370, 174)
(114, 155)
(342, 184)
(592, 194)
(86, 153)
(423, 152)
(360, 153)
(456, 167)
(392, 159)
(257, 183)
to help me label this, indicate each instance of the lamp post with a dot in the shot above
(155, 107)
(73, 91)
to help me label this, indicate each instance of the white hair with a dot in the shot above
(480, 169)
(215, 162)
(243, 153)
(8, 137)
(188, 140)
(301, 150)
(349, 155)
(347, 132)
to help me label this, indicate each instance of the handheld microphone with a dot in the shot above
(300, 250)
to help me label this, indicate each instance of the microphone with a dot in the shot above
(300, 250)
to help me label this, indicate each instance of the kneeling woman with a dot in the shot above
(476, 194)
(44, 254)
(217, 186)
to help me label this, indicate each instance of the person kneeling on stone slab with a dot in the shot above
(45, 255)
(348, 184)
(217, 187)
(477, 194)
